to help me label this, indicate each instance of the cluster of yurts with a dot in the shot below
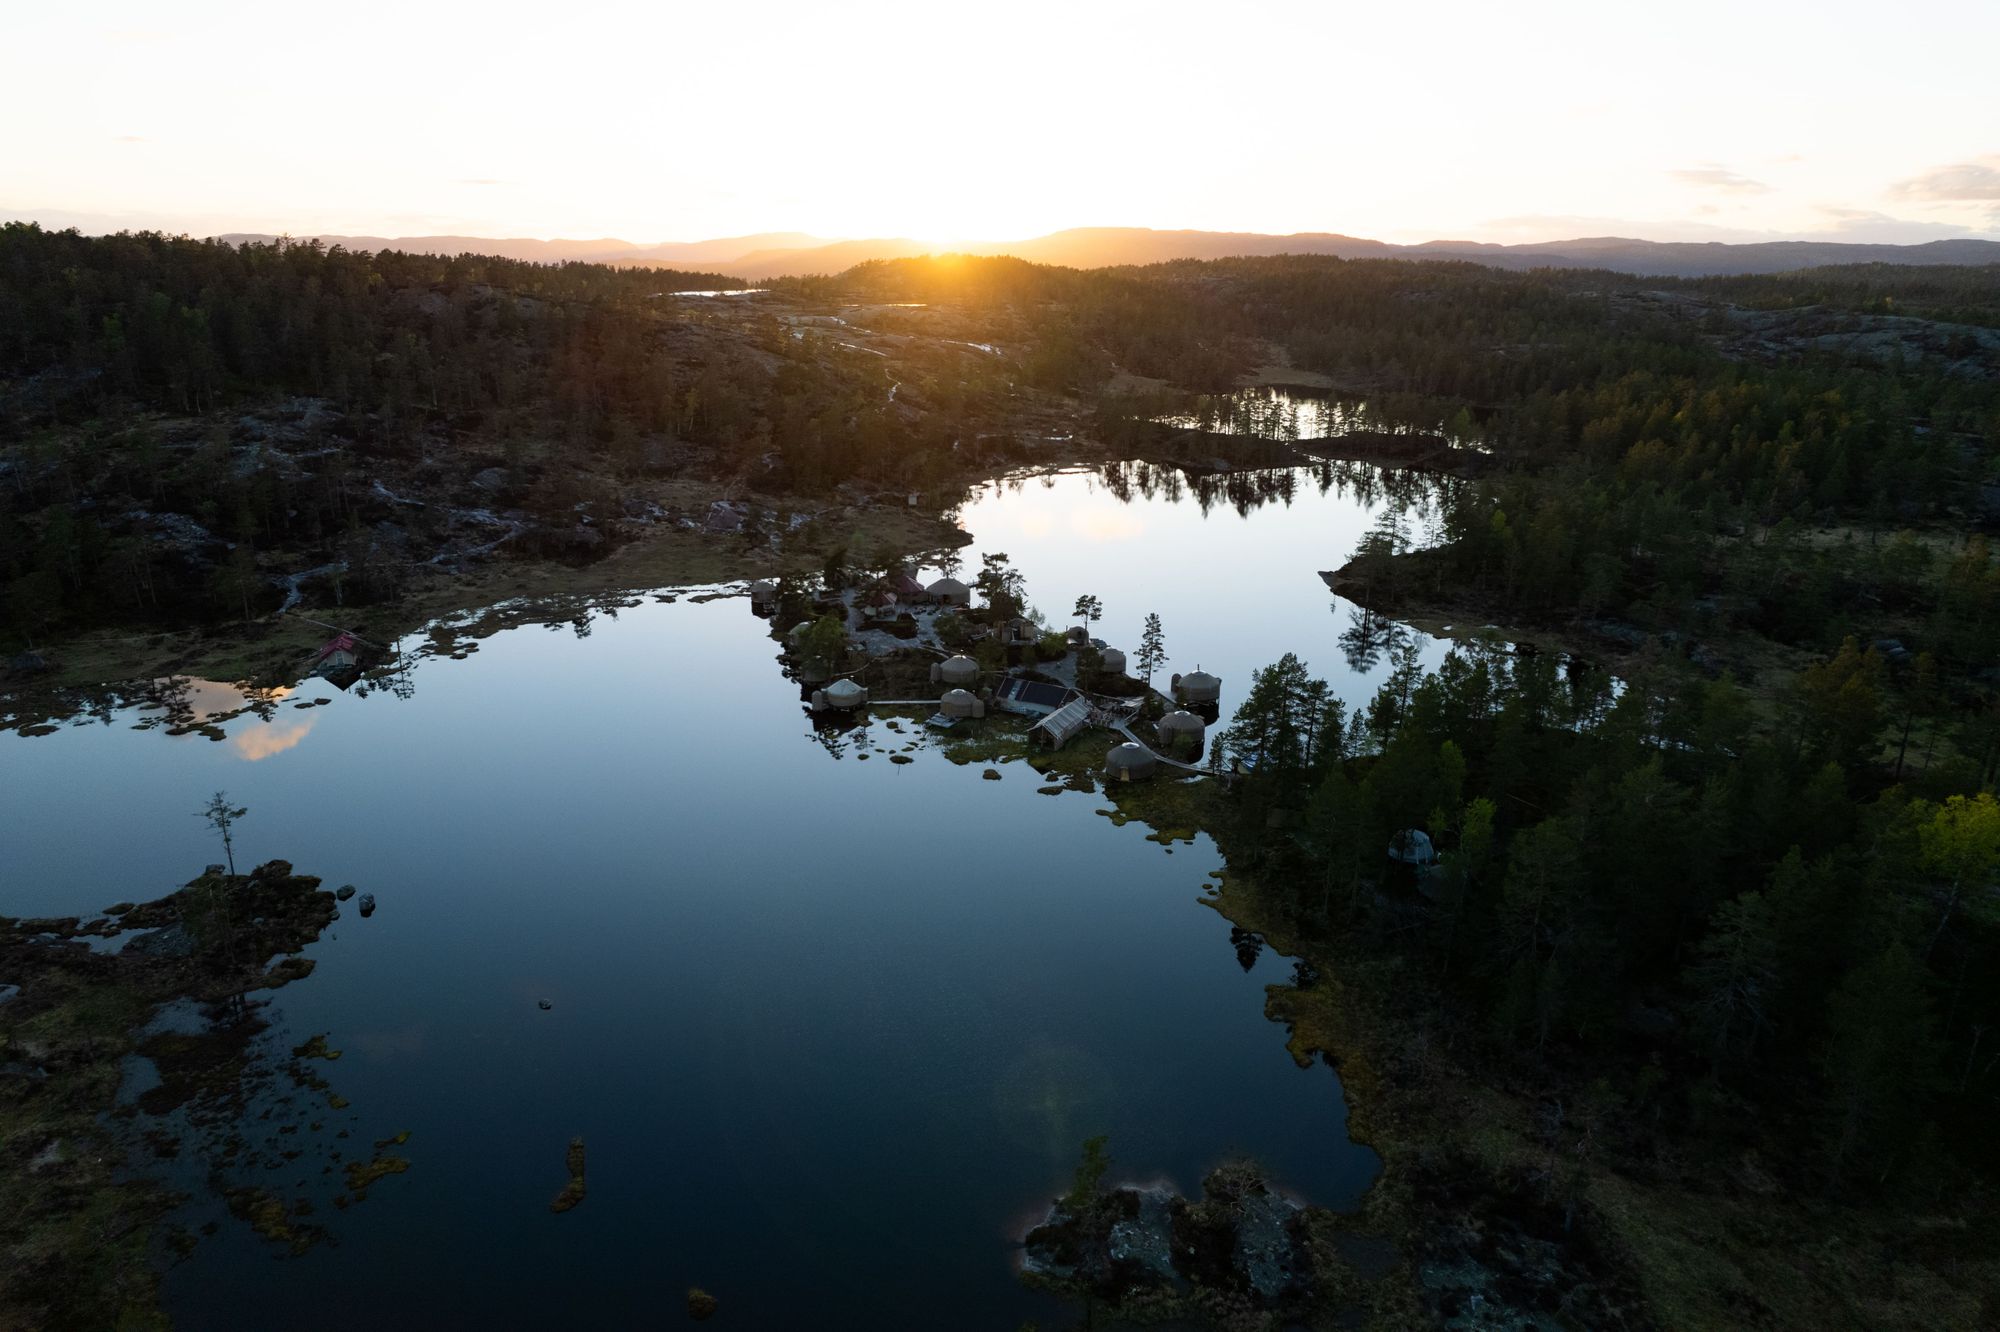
(1180, 732)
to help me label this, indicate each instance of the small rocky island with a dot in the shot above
(1238, 1253)
(78, 1221)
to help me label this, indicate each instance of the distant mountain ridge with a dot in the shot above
(782, 254)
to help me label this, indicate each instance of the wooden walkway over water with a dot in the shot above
(1112, 722)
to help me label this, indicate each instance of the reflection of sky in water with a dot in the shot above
(261, 740)
(830, 1028)
(249, 736)
(1234, 592)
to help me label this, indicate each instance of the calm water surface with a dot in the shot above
(1230, 564)
(833, 1030)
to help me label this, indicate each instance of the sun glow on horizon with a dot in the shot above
(959, 127)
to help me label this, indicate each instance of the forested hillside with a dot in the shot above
(189, 423)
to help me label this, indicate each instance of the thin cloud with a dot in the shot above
(128, 138)
(478, 180)
(1720, 178)
(1977, 181)
(1824, 223)
(1866, 226)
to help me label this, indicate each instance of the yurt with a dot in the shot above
(1111, 661)
(1412, 846)
(962, 703)
(763, 597)
(1129, 762)
(1181, 731)
(841, 696)
(1198, 686)
(957, 671)
(950, 592)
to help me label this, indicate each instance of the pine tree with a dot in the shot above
(1152, 649)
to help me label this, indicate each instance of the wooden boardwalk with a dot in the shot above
(1115, 723)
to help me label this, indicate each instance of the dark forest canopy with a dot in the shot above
(1641, 427)
(188, 324)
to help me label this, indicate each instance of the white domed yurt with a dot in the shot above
(1412, 846)
(797, 633)
(1129, 762)
(841, 696)
(962, 703)
(1180, 731)
(950, 592)
(1198, 686)
(957, 671)
(763, 597)
(1111, 661)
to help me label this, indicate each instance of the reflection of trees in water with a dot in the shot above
(395, 675)
(837, 738)
(1369, 638)
(1289, 413)
(173, 696)
(1417, 494)
(263, 703)
(1248, 946)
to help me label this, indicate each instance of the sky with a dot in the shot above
(1746, 120)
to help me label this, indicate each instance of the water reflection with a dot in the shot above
(1370, 639)
(263, 741)
(1422, 496)
(1229, 559)
(1296, 415)
(895, 1002)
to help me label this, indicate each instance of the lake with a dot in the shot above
(1277, 412)
(833, 1030)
